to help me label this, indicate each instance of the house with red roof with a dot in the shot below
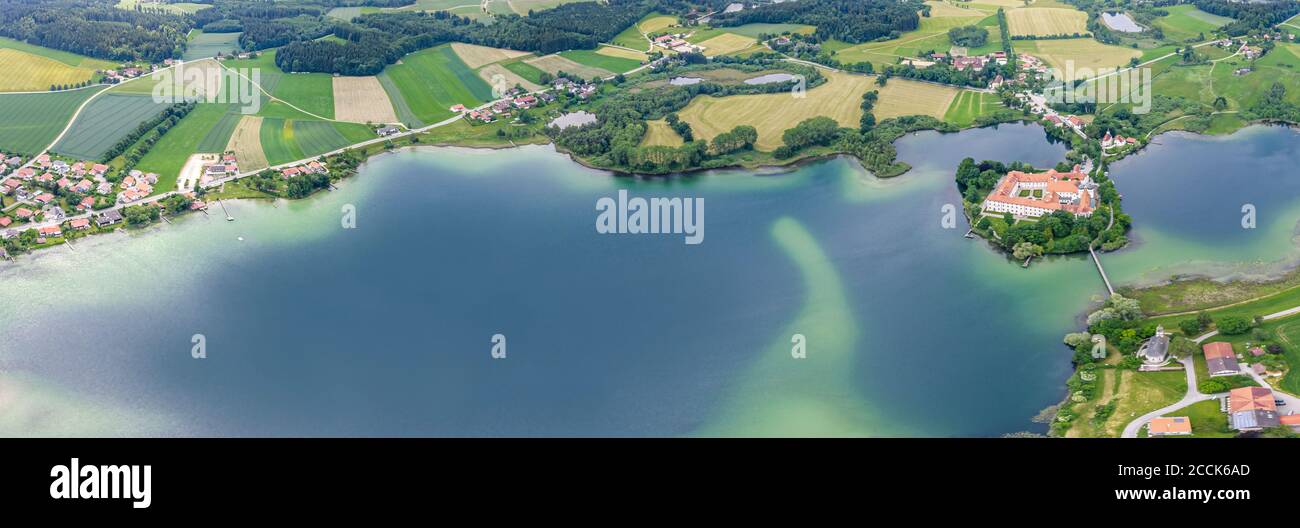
(50, 231)
(86, 204)
(1252, 409)
(44, 198)
(79, 224)
(1170, 426)
(24, 213)
(1220, 359)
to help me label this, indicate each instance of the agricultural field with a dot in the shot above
(246, 143)
(285, 140)
(1042, 21)
(170, 153)
(219, 135)
(425, 84)
(931, 36)
(476, 56)
(311, 93)
(32, 121)
(522, 7)
(525, 70)
(494, 73)
(362, 100)
(969, 105)
(30, 68)
(178, 8)
(659, 133)
(948, 10)
(635, 36)
(605, 61)
(772, 114)
(104, 122)
(726, 43)
(278, 141)
(621, 53)
(1084, 52)
(348, 13)
(1186, 22)
(202, 45)
(554, 64)
(435, 5)
(210, 82)
(902, 97)
(754, 30)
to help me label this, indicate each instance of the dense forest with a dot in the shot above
(376, 40)
(1250, 15)
(853, 21)
(96, 29)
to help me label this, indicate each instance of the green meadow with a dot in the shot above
(169, 154)
(90, 138)
(427, 83)
(32, 121)
(1187, 22)
(596, 60)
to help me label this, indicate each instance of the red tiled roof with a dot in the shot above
(1251, 399)
(1218, 349)
(1178, 424)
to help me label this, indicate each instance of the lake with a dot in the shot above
(387, 329)
(1121, 22)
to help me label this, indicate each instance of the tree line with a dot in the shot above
(375, 40)
(95, 29)
(854, 21)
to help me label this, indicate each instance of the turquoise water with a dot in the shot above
(386, 329)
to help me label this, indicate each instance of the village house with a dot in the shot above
(1037, 194)
(84, 186)
(525, 102)
(389, 130)
(1252, 409)
(50, 231)
(104, 188)
(5, 221)
(108, 218)
(315, 167)
(290, 172)
(79, 224)
(1172, 426)
(10, 185)
(25, 173)
(44, 198)
(1109, 142)
(1220, 359)
(974, 63)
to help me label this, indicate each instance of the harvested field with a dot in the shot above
(772, 114)
(1047, 21)
(246, 143)
(476, 56)
(726, 43)
(554, 64)
(493, 73)
(659, 133)
(362, 100)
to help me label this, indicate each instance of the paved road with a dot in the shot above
(1193, 395)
